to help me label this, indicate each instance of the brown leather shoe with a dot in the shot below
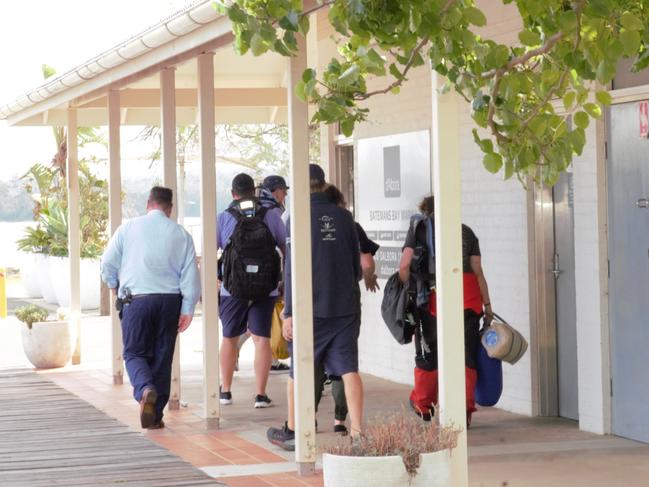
(156, 426)
(147, 407)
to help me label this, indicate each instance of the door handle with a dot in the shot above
(556, 271)
(642, 203)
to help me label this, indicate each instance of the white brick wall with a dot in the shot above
(590, 283)
(497, 212)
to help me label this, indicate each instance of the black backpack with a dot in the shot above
(251, 264)
(422, 266)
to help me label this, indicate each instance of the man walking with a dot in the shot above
(336, 272)
(150, 264)
(249, 235)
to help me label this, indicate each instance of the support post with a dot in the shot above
(448, 249)
(115, 220)
(168, 128)
(300, 210)
(211, 378)
(74, 231)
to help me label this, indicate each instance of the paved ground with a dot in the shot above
(504, 449)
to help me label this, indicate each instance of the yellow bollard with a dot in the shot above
(3, 294)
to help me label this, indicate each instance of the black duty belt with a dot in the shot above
(137, 296)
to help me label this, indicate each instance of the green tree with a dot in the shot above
(567, 50)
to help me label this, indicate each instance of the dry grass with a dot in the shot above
(398, 434)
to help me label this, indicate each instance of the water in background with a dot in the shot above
(10, 256)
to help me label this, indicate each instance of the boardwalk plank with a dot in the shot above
(49, 437)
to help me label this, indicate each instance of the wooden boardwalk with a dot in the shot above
(50, 437)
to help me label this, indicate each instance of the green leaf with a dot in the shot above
(257, 45)
(593, 110)
(529, 38)
(603, 97)
(350, 75)
(475, 16)
(630, 39)
(509, 169)
(581, 120)
(569, 100)
(347, 127)
(492, 162)
(631, 22)
(308, 75)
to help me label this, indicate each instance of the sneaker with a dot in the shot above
(262, 401)
(279, 367)
(425, 415)
(225, 398)
(282, 437)
(341, 428)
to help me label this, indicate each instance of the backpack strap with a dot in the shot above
(430, 243)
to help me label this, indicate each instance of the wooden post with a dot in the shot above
(300, 211)
(168, 126)
(448, 249)
(208, 222)
(74, 231)
(115, 220)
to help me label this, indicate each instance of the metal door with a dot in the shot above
(628, 180)
(564, 274)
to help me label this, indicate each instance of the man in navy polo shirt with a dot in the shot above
(336, 271)
(238, 315)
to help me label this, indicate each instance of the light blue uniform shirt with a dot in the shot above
(152, 254)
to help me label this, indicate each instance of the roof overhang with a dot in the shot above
(247, 89)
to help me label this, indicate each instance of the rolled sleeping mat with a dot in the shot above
(489, 385)
(503, 342)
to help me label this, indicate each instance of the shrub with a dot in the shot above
(31, 314)
(398, 434)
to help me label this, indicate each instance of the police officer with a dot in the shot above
(150, 263)
(336, 308)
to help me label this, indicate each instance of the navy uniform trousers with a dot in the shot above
(149, 330)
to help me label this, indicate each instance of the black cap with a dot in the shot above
(316, 173)
(271, 183)
(243, 183)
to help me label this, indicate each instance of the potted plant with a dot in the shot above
(46, 343)
(33, 244)
(396, 450)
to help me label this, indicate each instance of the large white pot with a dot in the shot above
(44, 281)
(29, 275)
(342, 471)
(47, 344)
(90, 286)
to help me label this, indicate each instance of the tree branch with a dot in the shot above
(544, 49)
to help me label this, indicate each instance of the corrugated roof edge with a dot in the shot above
(93, 67)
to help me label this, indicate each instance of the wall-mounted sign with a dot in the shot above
(393, 175)
(643, 114)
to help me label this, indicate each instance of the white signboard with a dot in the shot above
(393, 175)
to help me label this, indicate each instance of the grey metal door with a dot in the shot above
(628, 180)
(564, 273)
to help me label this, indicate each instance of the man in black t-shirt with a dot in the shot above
(476, 300)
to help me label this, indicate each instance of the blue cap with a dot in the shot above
(271, 183)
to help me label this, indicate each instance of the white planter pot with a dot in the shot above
(44, 281)
(29, 275)
(342, 471)
(90, 287)
(47, 344)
